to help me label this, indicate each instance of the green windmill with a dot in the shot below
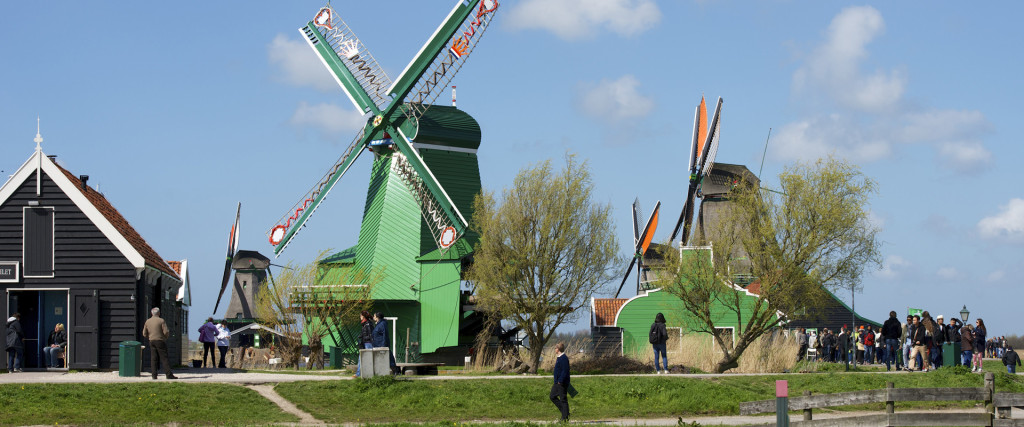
(422, 182)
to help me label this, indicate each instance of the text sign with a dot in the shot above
(9, 272)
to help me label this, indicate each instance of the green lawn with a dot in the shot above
(135, 403)
(646, 396)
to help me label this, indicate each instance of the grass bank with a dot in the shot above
(647, 396)
(135, 403)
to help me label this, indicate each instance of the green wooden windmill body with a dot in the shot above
(421, 283)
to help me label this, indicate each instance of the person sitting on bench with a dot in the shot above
(55, 345)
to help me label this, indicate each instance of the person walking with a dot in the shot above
(908, 330)
(828, 343)
(891, 330)
(967, 345)
(208, 336)
(365, 338)
(55, 345)
(869, 346)
(919, 340)
(155, 330)
(15, 344)
(382, 338)
(1011, 360)
(223, 342)
(802, 339)
(658, 336)
(979, 345)
(560, 388)
(843, 347)
(937, 341)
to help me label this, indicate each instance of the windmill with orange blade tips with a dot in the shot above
(703, 149)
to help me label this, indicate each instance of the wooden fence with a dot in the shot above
(997, 407)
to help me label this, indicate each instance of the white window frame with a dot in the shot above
(17, 272)
(53, 242)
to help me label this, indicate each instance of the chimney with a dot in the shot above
(84, 179)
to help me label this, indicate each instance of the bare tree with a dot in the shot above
(543, 251)
(814, 234)
(306, 302)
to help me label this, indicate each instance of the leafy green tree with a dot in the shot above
(304, 301)
(812, 235)
(544, 250)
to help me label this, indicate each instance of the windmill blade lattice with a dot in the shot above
(353, 54)
(292, 221)
(443, 68)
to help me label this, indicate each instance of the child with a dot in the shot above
(1011, 360)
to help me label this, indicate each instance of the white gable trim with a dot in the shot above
(74, 193)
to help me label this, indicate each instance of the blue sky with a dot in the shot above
(179, 111)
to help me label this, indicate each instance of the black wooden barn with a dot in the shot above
(71, 258)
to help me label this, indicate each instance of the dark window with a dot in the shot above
(38, 248)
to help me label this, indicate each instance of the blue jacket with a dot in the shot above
(380, 334)
(562, 370)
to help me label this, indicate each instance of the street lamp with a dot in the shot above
(964, 314)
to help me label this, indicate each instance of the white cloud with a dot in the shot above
(948, 273)
(969, 156)
(816, 137)
(996, 276)
(578, 19)
(870, 117)
(298, 64)
(330, 120)
(1007, 224)
(615, 100)
(835, 66)
(893, 267)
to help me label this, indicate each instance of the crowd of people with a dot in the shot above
(916, 345)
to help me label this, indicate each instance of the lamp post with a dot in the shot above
(964, 314)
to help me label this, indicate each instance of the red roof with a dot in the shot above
(122, 226)
(176, 266)
(605, 310)
(754, 287)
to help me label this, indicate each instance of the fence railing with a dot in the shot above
(997, 407)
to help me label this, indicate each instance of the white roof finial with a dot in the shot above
(39, 138)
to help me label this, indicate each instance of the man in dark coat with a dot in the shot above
(381, 338)
(891, 331)
(561, 386)
(15, 344)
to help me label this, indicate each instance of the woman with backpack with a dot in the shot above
(658, 336)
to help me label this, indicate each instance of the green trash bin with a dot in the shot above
(336, 360)
(129, 358)
(950, 354)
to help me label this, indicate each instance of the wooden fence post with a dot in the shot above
(781, 403)
(890, 405)
(807, 412)
(990, 391)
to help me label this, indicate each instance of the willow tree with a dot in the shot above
(813, 235)
(544, 250)
(304, 302)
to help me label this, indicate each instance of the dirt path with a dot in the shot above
(268, 392)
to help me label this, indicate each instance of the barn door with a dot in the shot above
(84, 339)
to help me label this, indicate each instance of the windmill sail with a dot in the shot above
(695, 143)
(642, 244)
(232, 248)
(336, 45)
(422, 89)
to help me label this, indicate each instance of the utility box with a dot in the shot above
(129, 359)
(374, 362)
(950, 354)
